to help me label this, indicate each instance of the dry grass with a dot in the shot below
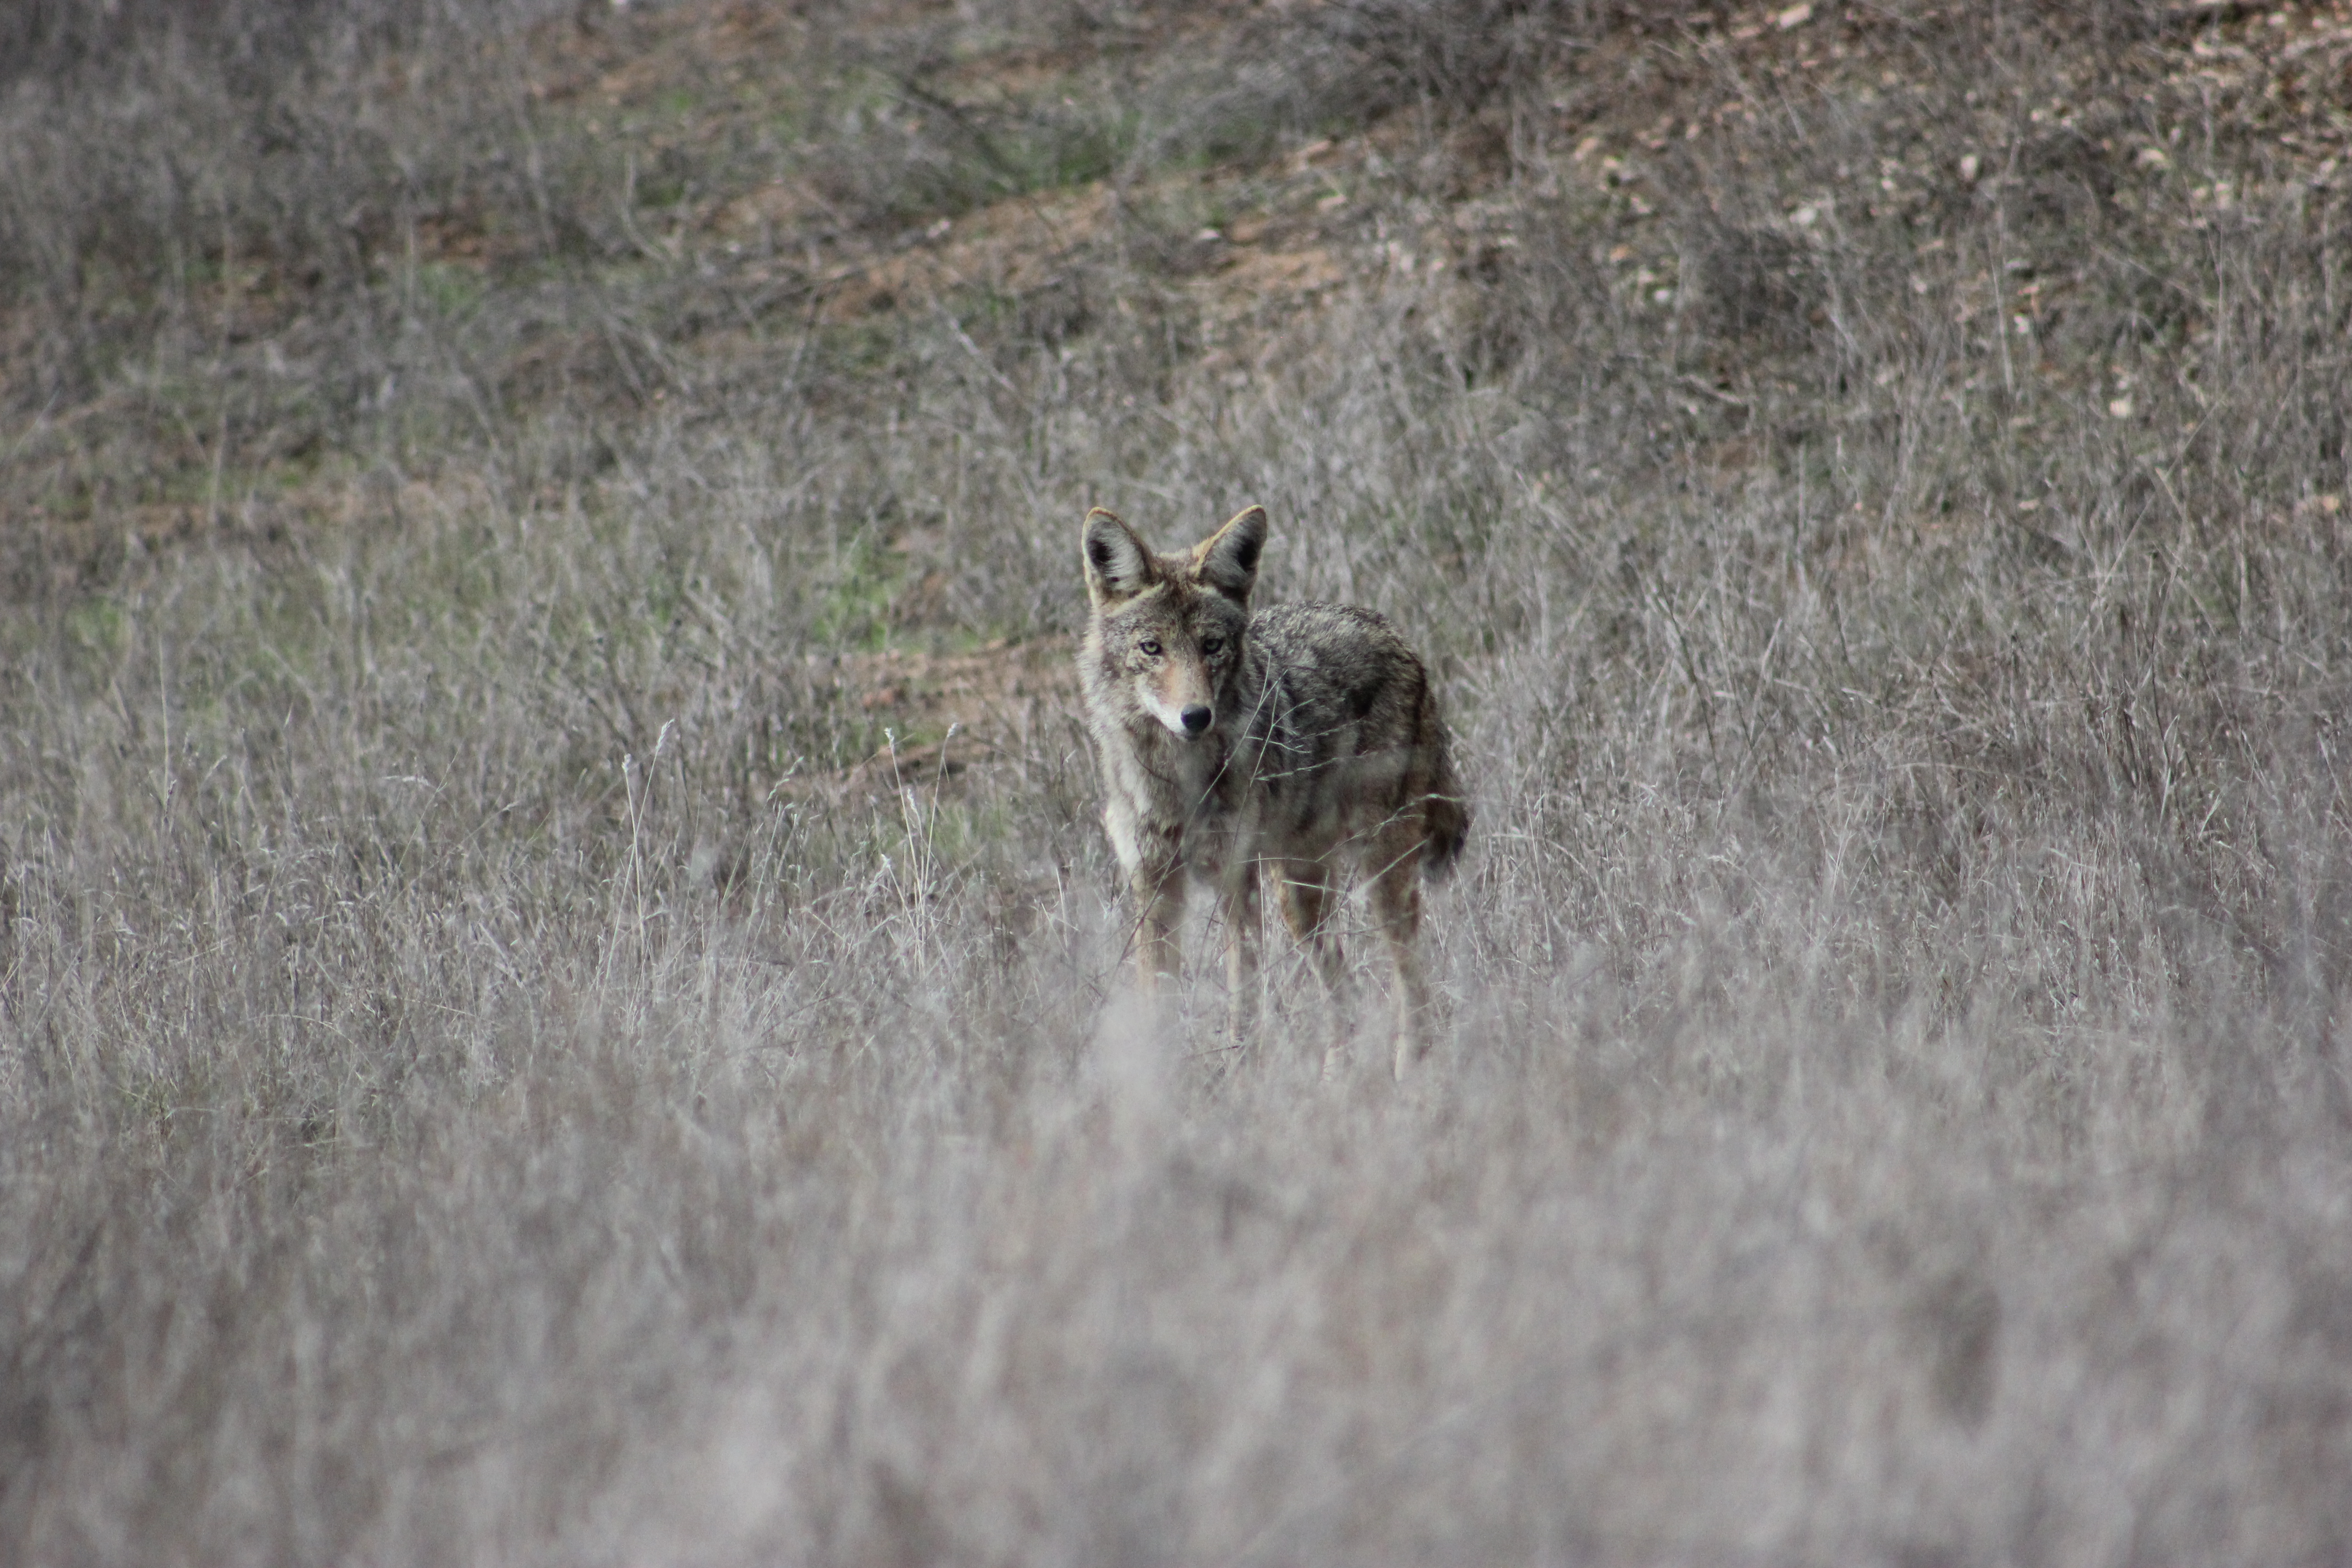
(492, 1069)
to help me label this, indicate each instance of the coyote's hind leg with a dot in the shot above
(1396, 905)
(1308, 893)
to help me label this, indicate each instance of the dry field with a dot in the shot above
(559, 988)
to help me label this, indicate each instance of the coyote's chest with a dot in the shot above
(1185, 804)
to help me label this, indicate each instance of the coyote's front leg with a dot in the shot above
(1241, 937)
(1159, 888)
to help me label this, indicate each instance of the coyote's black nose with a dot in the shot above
(1196, 718)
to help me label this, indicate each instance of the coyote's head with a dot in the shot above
(1165, 638)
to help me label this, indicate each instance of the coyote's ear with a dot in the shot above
(1227, 560)
(1118, 565)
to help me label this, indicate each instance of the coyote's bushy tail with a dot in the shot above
(1444, 810)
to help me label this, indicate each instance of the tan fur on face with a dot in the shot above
(1167, 630)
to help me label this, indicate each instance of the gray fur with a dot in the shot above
(1326, 752)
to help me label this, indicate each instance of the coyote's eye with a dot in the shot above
(1212, 646)
(1151, 647)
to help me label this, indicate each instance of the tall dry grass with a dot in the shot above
(463, 1097)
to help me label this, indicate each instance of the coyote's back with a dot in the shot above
(1297, 743)
(1344, 738)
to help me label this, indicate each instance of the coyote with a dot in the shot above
(1291, 740)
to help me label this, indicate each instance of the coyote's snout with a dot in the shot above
(1289, 743)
